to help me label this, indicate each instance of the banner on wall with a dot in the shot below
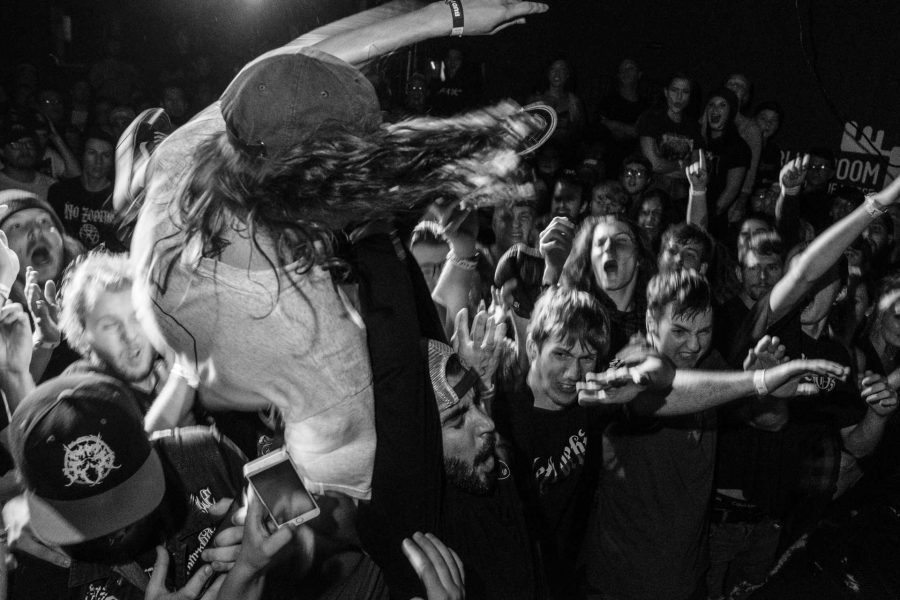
(868, 158)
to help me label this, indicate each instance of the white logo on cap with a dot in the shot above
(88, 461)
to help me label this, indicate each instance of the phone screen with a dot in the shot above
(282, 492)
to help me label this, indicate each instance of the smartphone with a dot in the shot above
(277, 483)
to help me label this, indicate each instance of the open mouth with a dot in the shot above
(611, 267)
(40, 256)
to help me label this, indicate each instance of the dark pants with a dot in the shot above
(741, 555)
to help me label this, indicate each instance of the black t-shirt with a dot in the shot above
(556, 462)
(723, 154)
(777, 469)
(814, 208)
(649, 529)
(86, 215)
(674, 141)
(617, 108)
(490, 535)
(769, 164)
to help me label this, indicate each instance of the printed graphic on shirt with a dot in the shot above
(549, 470)
(97, 591)
(89, 222)
(88, 461)
(673, 146)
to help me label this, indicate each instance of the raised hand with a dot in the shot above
(486, 17)
(44, 308)
(697, 174)
(460, 226)
(638, 367)
(787, 373)
(768, 352)
(878, 394)
(793, 173)
(555, 242)
(9, 263)
(15, 339)
(438, 567)
(481, 346)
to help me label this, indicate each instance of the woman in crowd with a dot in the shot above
(610, 259)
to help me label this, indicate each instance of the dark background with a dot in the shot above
(825, 61)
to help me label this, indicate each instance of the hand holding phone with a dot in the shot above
(277, 484)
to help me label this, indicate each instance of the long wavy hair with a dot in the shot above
(578, 271)
(346, 174)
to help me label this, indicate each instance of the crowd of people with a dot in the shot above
(624, 353)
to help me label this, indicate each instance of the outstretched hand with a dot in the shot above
(697, 174)
(787, 375)
(878, 394)
(793, 173)
(768, 352)
(481, 346)
(9, 262)
(638, 367)
(555, 241)
(486, 17)
(15, 339)
(44, 308)
(438, 567)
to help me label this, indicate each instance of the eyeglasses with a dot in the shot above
(22, 144)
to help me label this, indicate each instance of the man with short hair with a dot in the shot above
(815, 198)
(82, 202)
(482, 517)
(98, 320)
(555, 442)
(649, 526)
(18, 155)
(568, 200)
(685, 246)
(636, 176)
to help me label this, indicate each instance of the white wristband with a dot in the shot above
(759, 382)
(874, 209)
(791, 191)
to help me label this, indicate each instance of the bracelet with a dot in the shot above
(759, 382)
(874, 209)
(456, 10)
(467, 264)
(190, 378)
(791, 191)
(47, 345)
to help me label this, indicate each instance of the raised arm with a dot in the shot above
(698, 177)
(826, 249)
(371, 33)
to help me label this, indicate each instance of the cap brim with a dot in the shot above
(547, 117)
(66, 522)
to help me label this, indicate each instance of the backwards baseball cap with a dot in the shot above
(446, 395)
(88, 466)
(16, 200)
(279, 101)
